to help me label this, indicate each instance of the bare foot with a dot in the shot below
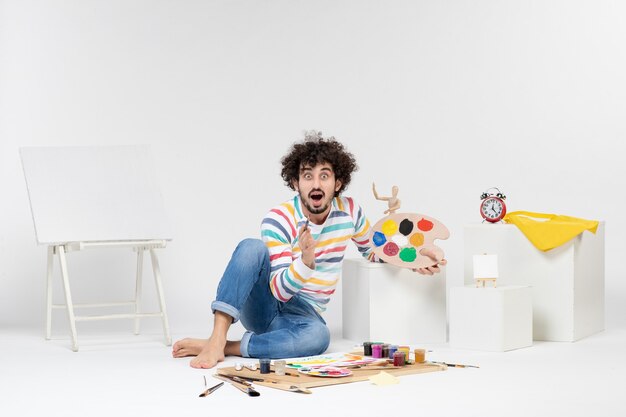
(212, 352)
(208, 352)
(188, 347)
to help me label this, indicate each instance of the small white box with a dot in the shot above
(493, 319)
(382, 302)
(567, 282)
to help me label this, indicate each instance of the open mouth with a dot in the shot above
(316, 197)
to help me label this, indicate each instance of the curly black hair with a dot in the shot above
(314, 150)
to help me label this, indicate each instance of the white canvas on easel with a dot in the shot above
(485, 269)
(96, 197)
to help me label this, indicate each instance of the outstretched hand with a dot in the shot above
(437, 257)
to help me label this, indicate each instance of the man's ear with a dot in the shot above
(294, 184)
(338, 185)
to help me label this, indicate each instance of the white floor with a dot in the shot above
(122, 374)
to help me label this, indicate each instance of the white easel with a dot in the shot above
(485, 269)
(93, 198)
(140, 247)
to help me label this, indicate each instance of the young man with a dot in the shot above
(279, 286)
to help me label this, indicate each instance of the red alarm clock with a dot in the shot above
(492, 208)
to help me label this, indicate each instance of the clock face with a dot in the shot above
(492, 209)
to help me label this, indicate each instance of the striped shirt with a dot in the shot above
(289, 275)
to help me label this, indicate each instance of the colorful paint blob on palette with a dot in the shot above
(326, 371)
(398, 239)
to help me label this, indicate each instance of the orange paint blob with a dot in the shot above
(417, 239)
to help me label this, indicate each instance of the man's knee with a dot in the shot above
(252, 249)
(252, 245)
(316, 341)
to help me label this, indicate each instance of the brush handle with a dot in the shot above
(241, 387)
(285, 387)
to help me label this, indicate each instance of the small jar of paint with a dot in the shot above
(385, 351)
(377, 351)
(420, 355)
(279, 367)
(398, 358)
(405, 350)
(264, 365)
(367, 348)
(392, 349)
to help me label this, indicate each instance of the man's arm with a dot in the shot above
(362, 240)
(279, 233)
(362, 232)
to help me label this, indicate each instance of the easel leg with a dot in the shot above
(49, 292)
(159, 287)
(68, 297)
(138, 287)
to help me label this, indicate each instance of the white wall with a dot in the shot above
(462, 95)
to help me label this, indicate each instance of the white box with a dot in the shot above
(382, 302)
(494, 319)
(567, 282)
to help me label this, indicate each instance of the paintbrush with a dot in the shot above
(248, 379)
(268, 382)
(456, 365)
(366, 367)
(285, 387)
(210, 390)
(382, 363)
(247, 389)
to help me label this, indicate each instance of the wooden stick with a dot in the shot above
(285, 387)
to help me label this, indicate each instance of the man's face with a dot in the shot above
(317, 186)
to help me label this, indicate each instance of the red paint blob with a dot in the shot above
(425, 225)
(391, 249)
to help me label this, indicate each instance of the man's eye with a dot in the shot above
(307, 177)
(324, 177)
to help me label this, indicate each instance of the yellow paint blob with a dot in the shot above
(417, 239)
(389, 227)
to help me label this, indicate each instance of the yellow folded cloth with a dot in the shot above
(547, 231)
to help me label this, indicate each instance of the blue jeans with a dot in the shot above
(274, 329)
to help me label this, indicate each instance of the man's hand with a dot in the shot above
(307, 245)
(437, 257)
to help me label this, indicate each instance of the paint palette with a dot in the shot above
(398, 239)
(326, 371)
